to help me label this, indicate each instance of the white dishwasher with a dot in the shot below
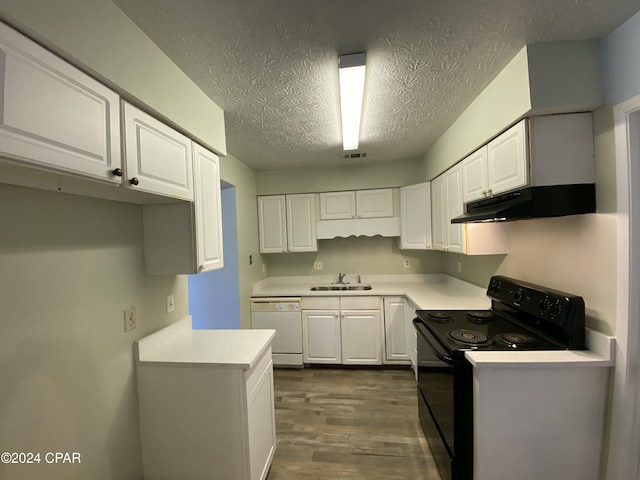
(283, 315)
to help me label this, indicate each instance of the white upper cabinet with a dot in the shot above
(475, 182)
(471, 238)
(374, 203)
(541, 150)
(272, 224)
(454, 206)
(158, 158)
(53, 116)
(507, 160)
(186, 237)
(337, 205)
(497, 167)
(208, 209)
(287, 223)
(415, 217)
(301, 223)
(438, 213)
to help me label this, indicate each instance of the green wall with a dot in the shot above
(345, 177)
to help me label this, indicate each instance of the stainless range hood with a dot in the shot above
(532, 202)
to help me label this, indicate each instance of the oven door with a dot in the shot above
(435, 400)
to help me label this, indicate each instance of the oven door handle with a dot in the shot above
(440, 356)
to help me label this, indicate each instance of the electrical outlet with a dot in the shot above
(129, 319)
(171, 303)
(459, 267)
(250, 259)
(317, 266)
(406, 263)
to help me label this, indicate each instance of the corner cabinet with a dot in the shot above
(287, 223)
(53, 116)
(415, 217)
(186, 237)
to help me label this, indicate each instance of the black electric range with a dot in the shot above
(522, 316)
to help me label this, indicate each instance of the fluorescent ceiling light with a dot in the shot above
(351, 72)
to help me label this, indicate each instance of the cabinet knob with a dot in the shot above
(484, 193)
(134, 181)
(117, 172)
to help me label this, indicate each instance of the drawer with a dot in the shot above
(320, 303)
(358, 303)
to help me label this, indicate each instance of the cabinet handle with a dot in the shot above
(490, 192)
(134, 181)
(201, 268)
(484, 193)
(117, 172)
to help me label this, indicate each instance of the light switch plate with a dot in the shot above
(171, 303)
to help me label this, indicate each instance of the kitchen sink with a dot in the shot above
(324, 288)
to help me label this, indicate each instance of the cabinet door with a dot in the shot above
(321, 336)
(415, 217)
(53, 116)
(438, 213)
(261, 425)
(374, 203)
(272, 224)
(455, 207)
(361, 337)
(157, 158)
(301, 223)
(475, 183)
(337, 205)
(395, 338)
(411, 335)
(507, 160)
(208, 209)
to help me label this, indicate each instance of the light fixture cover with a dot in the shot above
(351, 72)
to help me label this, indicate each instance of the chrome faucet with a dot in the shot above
(341, 278)
(358, 280)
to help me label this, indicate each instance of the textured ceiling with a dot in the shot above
(272, 65)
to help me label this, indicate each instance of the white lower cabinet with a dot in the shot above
(321, 336)
(202, 419)
(342, 330)
(361, 338)
(395, 338)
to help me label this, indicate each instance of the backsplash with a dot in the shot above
(356, 255)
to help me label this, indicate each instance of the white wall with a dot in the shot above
(69, 266)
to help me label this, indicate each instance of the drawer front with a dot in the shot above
(320, 303)
(356, 303)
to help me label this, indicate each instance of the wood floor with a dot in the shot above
(358, 424)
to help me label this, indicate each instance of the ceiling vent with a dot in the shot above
(355, 155)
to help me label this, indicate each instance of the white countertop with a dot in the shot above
(443, 292)
(179, 344)
(426, 292)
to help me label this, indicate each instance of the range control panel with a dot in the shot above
(543, 303)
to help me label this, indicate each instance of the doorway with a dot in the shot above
(624, 448)
(214, 297)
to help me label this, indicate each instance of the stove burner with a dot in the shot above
(440, 317)
(480, 317)
(515, 340)
(470, 337)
